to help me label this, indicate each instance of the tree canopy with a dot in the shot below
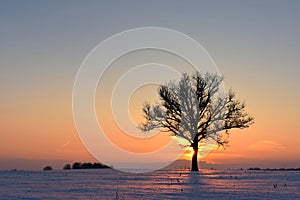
(195, 109)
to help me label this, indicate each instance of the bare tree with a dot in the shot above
(194, 109)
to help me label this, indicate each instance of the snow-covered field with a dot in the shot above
(110, 184)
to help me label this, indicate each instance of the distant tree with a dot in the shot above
(77, 165)
(87, 166)
(47, 168)
(67, 166)
(100, 166)
(192, 110)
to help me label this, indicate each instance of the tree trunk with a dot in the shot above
(195, 157)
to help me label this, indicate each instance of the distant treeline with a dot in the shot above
(78, 165)
(275, 169)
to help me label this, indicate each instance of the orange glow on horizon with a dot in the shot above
(44, 129)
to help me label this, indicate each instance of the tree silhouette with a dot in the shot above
(47, 168)
(67, 167)
(77, 165)
(194, 109)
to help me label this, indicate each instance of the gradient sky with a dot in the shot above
(255, 44)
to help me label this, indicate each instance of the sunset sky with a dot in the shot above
(255, 44)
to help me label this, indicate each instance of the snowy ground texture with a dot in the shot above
(110, 184)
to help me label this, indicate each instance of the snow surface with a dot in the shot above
(111, 184)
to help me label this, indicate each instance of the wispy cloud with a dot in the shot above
(266, 145)
(225, 155)
(66, 143)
